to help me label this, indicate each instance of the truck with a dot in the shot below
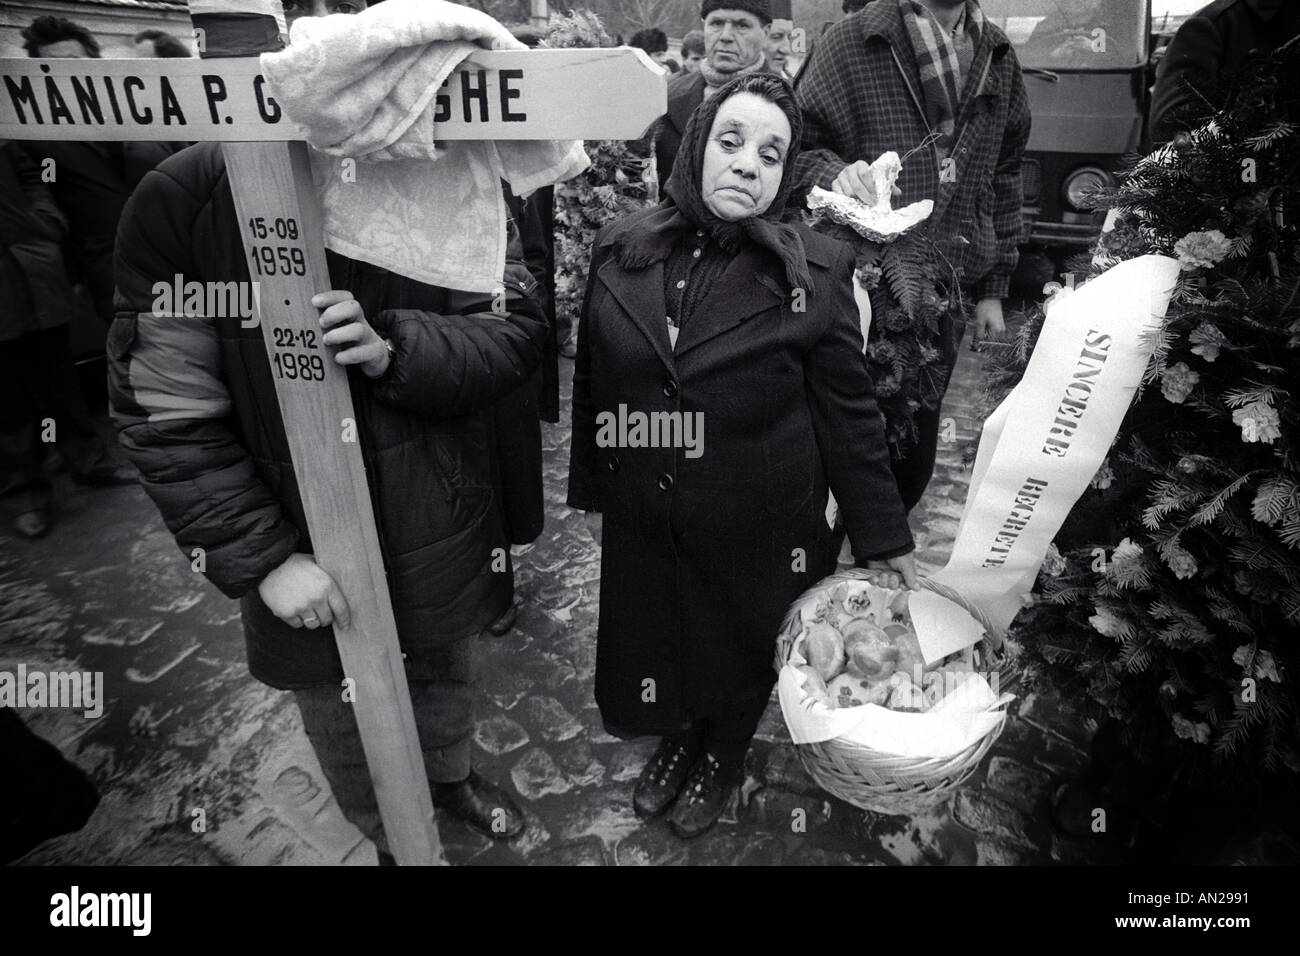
(1088, 70)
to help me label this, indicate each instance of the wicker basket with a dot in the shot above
(884, 782)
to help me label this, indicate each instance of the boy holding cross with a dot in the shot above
(194, 399)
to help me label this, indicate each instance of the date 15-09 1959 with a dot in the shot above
(276, 259)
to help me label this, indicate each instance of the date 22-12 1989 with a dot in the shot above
(296, 366)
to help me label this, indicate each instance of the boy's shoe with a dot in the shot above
(702, 798)
(505, 623)
(483, 805)
(663, 776)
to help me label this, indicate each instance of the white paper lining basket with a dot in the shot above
(884, 782)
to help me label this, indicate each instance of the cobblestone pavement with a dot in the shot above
(186, 729)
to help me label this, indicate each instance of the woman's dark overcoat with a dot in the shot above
(702, 555)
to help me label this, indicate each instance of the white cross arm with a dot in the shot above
(499, 94)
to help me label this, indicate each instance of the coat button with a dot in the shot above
(613, 463)
(681, 283)
(670, 389)
(665, 482)
(696, 253)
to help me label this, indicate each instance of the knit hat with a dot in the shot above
(759, 8)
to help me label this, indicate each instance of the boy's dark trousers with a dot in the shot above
(442, 684)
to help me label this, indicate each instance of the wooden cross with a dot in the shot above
(535, 94)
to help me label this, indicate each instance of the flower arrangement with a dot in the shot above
(619, 181)
(917, 318)
(1177, 611)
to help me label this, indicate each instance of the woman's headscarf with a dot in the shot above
(684, 210)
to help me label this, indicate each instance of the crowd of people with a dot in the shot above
(689, 309)
(60, 205)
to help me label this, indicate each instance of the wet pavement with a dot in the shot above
(197, 763)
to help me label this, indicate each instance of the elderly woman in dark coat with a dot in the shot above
(736, 337)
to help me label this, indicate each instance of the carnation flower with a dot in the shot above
(887, 386)
(1107, 623)
(1180, 561)
(1126, 553)
(868, 276)
(1265, 665)
(1104, 477)
(1126, 550)
(1055, 293)
(1248, 585)
(1201, 250)
(895, 320)
(1258, 422)
(1191, 730)
(1249, 209)
(1206, 341)
(1053, 561)
(1176, 382)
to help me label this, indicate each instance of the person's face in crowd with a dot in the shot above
(297, 9)
(65, 50)
(733, 39)
(660, 57)
(691, 61)
(744, 157)
(778, 44)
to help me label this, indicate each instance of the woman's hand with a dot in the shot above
(593, 521)
(302, 594)
(347, 325)
(904, 565)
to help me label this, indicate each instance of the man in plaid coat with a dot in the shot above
(937, 83)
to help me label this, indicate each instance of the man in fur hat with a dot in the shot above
(735, 41)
